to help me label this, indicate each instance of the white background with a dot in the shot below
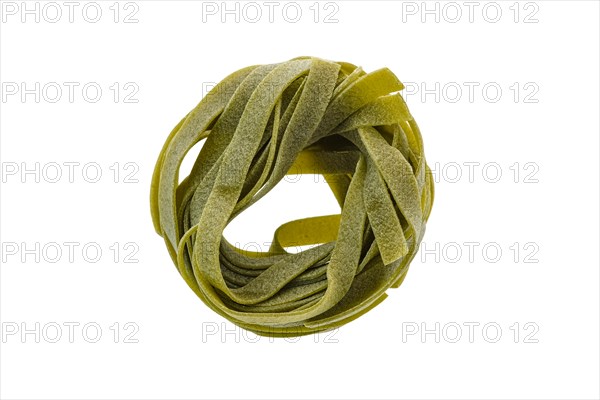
(547, 283)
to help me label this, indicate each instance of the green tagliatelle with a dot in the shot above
(305, 115)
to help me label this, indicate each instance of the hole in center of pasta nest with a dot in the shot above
(294, 197)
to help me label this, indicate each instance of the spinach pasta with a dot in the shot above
(261, 123)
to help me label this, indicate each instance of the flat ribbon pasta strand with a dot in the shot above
(309, 116)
